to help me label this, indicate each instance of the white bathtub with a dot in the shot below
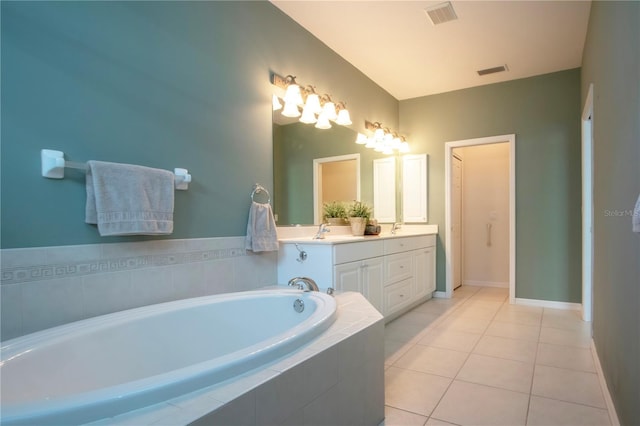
(103, 366)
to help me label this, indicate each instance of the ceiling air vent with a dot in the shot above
(493, 70)
(441, 13)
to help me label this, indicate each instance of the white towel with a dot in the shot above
(124, 199)
(636, 216)
(261, 229)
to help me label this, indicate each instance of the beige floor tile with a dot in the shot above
(394, 349)
(567, 319)
(428, 359)
(562, 356)
(567, 385)
(502, 347)
(403, 331)
(513, 331)
(473, 404)
(519, 315)
(497, 372)
(470, 325)
(414, 391)
(450, 339)
(437, 422)
(560, 336)
(545, 412)
(396, 417)
(474, 311)
(436, 306)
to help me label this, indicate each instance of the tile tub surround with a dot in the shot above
(336, 379)
(48, 286)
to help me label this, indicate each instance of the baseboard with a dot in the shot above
(613, 416)
(549, 304)
(486, 283)
(440, 294)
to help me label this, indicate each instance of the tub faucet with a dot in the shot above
(395, 228)
(304, 284)
(321, 231)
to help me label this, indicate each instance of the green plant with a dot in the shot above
(359, 209)
(334, 209)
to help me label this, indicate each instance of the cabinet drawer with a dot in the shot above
(400, 244)
(397, 296)
(398, 267)
(350, 252)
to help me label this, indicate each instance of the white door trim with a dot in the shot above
(587, 207)
(449, 146)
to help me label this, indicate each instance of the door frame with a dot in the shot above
(587, 207)
(317, 181)
(449, 146)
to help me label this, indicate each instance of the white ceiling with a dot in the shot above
(396, 45)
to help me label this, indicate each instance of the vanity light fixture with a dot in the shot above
(383, 139)
(315, 109)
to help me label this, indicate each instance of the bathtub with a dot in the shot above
(107, 365)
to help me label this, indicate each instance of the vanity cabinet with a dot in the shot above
(394, 273)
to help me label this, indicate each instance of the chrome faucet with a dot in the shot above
(304, 284)
(395, 228)
(321, 231)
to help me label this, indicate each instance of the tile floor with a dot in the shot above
(475, 359)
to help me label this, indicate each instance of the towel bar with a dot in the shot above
(53, 165)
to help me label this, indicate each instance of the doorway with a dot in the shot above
(335, 179)
(587, 207)
(454, 249)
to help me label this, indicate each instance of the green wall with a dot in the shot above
(543, 112)
(161, 84)
(611, 62)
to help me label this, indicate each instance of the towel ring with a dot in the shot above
(257, 188)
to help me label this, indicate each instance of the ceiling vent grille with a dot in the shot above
(441, 13)
(493, 70)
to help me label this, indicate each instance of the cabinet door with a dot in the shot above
(347, 277)
(372, 281)
(425, 280)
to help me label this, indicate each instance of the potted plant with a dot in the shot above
(335, 213)
(359, 214)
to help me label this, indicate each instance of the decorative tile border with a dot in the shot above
(21, 274)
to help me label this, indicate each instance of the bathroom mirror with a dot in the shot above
(295, 147)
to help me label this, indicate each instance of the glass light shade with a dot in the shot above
(313, 103)
(329, 110)
(378, 134)
(404, 147)
(361, 139)
(371, 143)
(293, 95)
(308, 116)
(323, 122)
(388, 138)
(276, 103)
(290, 109)
(396, 143)
(379, 147)
(343, 118)
(387, 150)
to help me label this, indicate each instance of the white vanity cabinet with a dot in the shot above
(393, 273)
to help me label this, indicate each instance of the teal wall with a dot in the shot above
(543, 112)
(162, 84)
(611, 62)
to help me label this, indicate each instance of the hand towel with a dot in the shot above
(124, 199)
(261, 229)
(636, 216)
